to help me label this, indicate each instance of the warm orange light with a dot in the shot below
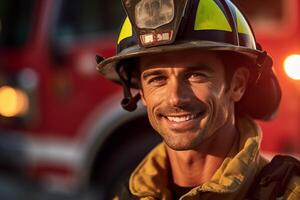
(13, 102)
(292, 66)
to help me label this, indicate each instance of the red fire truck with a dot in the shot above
(277, 25)
(61, 123)
(57, 113)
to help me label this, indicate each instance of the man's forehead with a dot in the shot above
(191, 59)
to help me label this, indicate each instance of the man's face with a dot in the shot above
(185, 96)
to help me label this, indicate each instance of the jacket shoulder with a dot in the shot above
(292, 191)
(279, 178)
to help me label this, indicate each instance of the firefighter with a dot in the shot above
(203, 79)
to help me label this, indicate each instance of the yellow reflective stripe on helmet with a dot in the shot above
(210, 17)
(242, 24)
(126, 30)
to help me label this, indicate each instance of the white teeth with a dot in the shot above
(182, 118)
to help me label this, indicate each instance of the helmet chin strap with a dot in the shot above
(129, 102)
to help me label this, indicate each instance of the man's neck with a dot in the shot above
(194, 167)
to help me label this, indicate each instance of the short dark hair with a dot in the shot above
(232, 61)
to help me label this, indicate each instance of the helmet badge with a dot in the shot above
(156, 22)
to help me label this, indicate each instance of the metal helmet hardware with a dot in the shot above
(159, 26)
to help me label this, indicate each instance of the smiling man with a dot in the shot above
(187, 100)
(203, 79)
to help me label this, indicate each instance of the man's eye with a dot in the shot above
(158, 80)
(196, 77)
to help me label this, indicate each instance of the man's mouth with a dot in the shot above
(182, 118)
(182, 122)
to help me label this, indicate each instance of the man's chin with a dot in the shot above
(179, 146)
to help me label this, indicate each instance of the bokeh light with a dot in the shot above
(292, 66)
(13, 102)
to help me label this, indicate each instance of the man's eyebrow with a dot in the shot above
(146, 74)
(200, 67)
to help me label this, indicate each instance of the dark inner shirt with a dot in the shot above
(178, 191)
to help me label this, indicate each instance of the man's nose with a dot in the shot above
(178, 93)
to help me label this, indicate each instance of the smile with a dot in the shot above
(183, 118)
(182, 122)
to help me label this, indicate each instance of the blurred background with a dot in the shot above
(63, 134)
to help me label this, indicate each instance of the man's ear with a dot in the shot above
(239, 83)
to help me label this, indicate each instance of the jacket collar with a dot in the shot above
(238, 169)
